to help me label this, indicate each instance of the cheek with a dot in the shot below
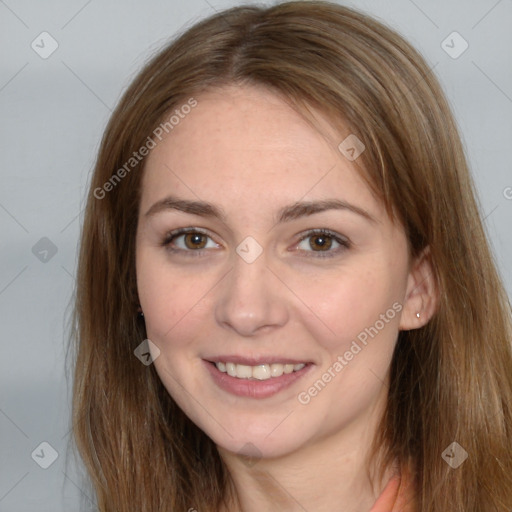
(348, 303)
(167, 297)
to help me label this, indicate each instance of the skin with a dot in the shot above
(248, 152)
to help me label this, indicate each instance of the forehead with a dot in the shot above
(246, 146)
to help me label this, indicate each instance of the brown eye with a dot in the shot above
(323, 243)
(320, 242)
(195, 240)
(188, 240)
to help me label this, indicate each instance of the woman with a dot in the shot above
(286, 299)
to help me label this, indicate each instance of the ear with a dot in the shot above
(421, 295)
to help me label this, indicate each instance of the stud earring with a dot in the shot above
(139, 312)
(417, 315)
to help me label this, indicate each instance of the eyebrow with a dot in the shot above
(285, 214)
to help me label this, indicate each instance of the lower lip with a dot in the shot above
(254, 388)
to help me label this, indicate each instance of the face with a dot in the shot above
(271, 280)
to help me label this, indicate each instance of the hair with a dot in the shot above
(450, 380)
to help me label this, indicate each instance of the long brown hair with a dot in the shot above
(449, 381)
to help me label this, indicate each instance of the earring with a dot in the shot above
(140, 312)
(417, 315)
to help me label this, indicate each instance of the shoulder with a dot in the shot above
(398, 495)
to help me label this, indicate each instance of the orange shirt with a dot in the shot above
(396, 497)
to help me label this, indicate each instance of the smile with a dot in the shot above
(259, 372)
(255, 378)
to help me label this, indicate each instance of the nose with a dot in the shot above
(251, 299)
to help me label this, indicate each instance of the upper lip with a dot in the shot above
(255, 361)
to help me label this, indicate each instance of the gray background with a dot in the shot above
(54, 110)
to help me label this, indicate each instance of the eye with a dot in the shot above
(323, 241)
(189, 240)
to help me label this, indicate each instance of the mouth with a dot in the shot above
(255, 378)
(263, 371)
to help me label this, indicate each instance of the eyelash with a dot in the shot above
(344, 243)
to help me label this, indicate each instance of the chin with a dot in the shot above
(255, 448)
(263, 439)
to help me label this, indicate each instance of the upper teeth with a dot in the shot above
(260, 372)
